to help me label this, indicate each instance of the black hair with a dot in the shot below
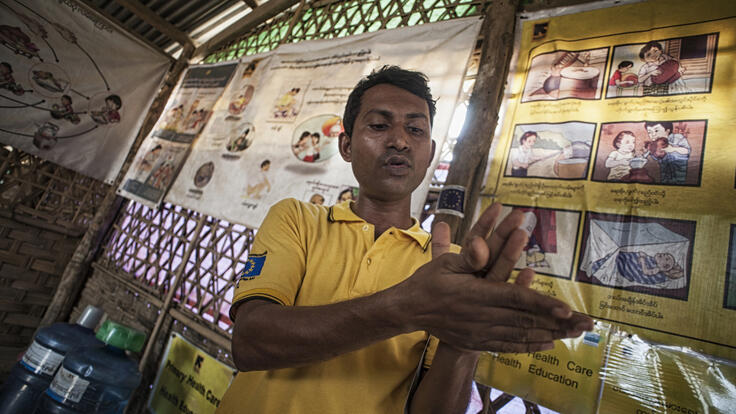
(620, 137)
(667, 125)
(625, 63)
(526, 136)
(116, 100)
(157, 147)
(265, 163)
(647, 47)
(347, 190)
(408, 80)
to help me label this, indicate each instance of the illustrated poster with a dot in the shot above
(74, 89)
(274, 133)
(166, 148)
(618, 143)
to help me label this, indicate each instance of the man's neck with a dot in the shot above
(384, 214)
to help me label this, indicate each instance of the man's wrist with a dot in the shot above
(457, 352)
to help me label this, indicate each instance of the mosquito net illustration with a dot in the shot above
(620, 254)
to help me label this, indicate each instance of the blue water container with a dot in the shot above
(31, 376)
(96, 380)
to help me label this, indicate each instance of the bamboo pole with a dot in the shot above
(471, 151)
(199, 328)
(77, 269)
(164, 311)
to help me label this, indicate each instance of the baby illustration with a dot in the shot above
(661, 263)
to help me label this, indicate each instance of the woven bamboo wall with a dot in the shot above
(44, 209)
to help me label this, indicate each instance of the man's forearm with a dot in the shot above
(445, 388)
(270, 336)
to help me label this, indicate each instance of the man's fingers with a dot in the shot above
(513, 296)
(525, 277)
(476, 255)
(440, 239)
(485, 223)
(506, 259)
(499, 236)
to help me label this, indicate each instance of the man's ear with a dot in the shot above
(346, 150)
(434, 147)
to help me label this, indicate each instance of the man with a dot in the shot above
(333, 310)
(674, 156)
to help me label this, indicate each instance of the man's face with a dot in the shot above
(657, 131)
(391, 147)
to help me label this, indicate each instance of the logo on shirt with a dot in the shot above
(253, 266)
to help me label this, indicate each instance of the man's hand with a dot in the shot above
(464, 300)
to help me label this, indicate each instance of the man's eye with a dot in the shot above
(415, 130)
(378, 127)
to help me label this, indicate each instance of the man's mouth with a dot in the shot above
(397, 162)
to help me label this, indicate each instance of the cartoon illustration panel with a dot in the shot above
(641, 254)
(64, 96)
(559, 151)
(729, 297)
(663, 67)
(566, 74)
(552, 239)
(651, 152)
(315, 139)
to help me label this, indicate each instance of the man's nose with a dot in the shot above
(398, 138)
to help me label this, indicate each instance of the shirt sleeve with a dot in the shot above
(276, 261)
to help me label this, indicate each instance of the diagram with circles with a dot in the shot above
(63, 95)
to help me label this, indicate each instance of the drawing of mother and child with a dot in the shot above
(669, 153)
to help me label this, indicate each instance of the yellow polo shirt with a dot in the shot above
(307, 255)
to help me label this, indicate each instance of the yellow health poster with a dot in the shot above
(617, 143)
(566, 379)
(645, 378)
(189, 380)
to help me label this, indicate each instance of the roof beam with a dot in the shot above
(252, 20)
(120, 25)
(251, 3)
(156, 21)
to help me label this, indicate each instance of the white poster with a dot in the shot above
(166, 148)
(74, 89)
(274, 133)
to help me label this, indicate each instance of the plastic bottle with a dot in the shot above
(97, 380)
(31, 376)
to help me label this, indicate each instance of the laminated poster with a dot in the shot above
(618, 143)
(645, 378)
(74, 88)
(165, 149)
(567, 379)
(188, 380)
(274, 132)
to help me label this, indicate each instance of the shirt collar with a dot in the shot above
(343, 212)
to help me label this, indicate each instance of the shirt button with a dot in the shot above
(368, 260)
(365, 227)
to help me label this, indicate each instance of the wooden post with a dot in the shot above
(164, 311)
(77, 269)
(470, 155)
